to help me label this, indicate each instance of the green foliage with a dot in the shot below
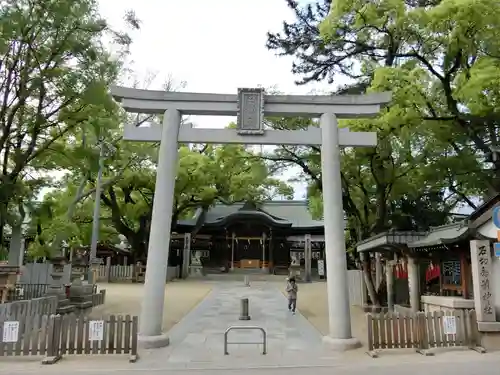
(205, 176)
(440, 60)
(54, 75)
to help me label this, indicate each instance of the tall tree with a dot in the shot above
(441, 55)
(54, 73)
(206, 175)
(426, 163)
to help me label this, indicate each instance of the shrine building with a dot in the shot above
(270, 236)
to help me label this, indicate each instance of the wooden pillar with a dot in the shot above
(108, 269)
(389, 275)
(271, 250)
(307, 257)
(232, 250)
(264, 266)
(464, 274)
(378, 270)
(413, 284)
(186, 254)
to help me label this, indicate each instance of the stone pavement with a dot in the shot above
(294, 345)
(455, 362)
(198, 340)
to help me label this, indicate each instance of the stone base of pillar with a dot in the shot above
(265, 270)
(341, 345)
(153, 342)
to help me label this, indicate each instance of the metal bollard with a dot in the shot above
(244, 310)
(246, 280)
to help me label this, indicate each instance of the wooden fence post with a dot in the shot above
(53, 340)
(108, 269)
(135, 331)
(422, 336)
(371, 351)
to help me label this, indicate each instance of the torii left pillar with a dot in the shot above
(150, 329)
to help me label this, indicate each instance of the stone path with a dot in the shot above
(198, 339)
(456, 363)
(294, 346)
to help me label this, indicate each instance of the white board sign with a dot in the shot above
(449, 325)
(321, 267)
(96, 330)
(10, 331)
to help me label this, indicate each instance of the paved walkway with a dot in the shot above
(456, 363)
(294, 345)
(198, 339)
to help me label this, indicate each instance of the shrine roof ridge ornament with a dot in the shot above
(156, 102)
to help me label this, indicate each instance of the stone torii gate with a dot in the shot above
(250, 106)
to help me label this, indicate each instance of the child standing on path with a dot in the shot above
(292, 289)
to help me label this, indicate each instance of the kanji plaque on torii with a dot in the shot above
(250, 107)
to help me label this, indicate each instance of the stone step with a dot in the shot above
(240, 277)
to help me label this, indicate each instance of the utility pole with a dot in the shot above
(94, 262)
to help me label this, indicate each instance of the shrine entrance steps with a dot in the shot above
(240, 277)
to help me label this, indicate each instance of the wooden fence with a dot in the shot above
(422, 331)
(99, 298)
(37, 306)
(55, 336)
(39, 273)
(107, 273)
(40, 306)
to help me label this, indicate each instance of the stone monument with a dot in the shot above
(80, 295)
(57, 288)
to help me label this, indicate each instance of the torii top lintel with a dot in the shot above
(156, 102)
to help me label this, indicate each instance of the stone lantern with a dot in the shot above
(196, 267)
(57, 288)
(8, 279)
(80, 295)
(78, 269)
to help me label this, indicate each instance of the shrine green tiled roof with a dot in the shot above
(442, 235)
(294, 213)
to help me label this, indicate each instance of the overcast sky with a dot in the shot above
(215, 46)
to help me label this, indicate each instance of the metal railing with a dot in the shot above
(263, 342)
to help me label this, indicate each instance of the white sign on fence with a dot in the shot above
(321, 267)
(96, 330)
(449, 325)
(10, 331)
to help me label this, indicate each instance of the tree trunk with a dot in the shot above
(367, 276)
(138, 246)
